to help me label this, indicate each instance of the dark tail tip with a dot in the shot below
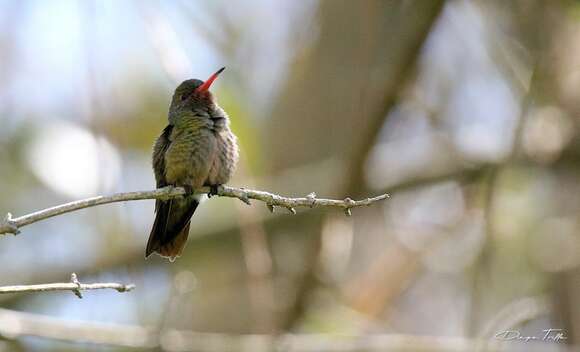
(171, 228)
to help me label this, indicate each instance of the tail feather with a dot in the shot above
(171, 227)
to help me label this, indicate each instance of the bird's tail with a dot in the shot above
(171, 227)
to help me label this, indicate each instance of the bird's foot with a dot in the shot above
(213, 191)
(189, 191)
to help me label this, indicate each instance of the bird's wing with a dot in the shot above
(171, 226)
(161, 145)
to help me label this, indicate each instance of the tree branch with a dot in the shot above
(15, 324)
(12, 225)
(74, 285)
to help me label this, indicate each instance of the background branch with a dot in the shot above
(16, 324)
(74, 285)
(12, 225)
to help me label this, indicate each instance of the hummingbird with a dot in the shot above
(196, 149)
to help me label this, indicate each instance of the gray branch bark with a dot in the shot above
(12, 225)
(74, 285)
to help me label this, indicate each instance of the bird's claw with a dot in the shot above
(188, 190)
(213, 191)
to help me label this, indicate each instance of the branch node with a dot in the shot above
(125, 288)
(312, 197)
(244, 198)
(74, 279)
(10, 224)
(349, 202)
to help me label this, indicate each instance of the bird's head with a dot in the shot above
(194, 94)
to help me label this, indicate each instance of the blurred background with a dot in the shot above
(466, 112)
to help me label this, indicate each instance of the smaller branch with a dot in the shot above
(12, 225)
(310, 201)
(75, 286)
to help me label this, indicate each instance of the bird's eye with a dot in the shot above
(182, 97)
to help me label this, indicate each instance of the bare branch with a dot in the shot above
(75, 286)
(12, 225)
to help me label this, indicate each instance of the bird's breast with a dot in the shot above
(189, 157)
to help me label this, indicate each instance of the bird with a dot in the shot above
(196, 149)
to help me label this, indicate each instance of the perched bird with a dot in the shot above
(197, 148)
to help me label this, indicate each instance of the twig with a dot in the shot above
(75, 286)
(12, 225)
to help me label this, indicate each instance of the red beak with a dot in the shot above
(205, 86)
